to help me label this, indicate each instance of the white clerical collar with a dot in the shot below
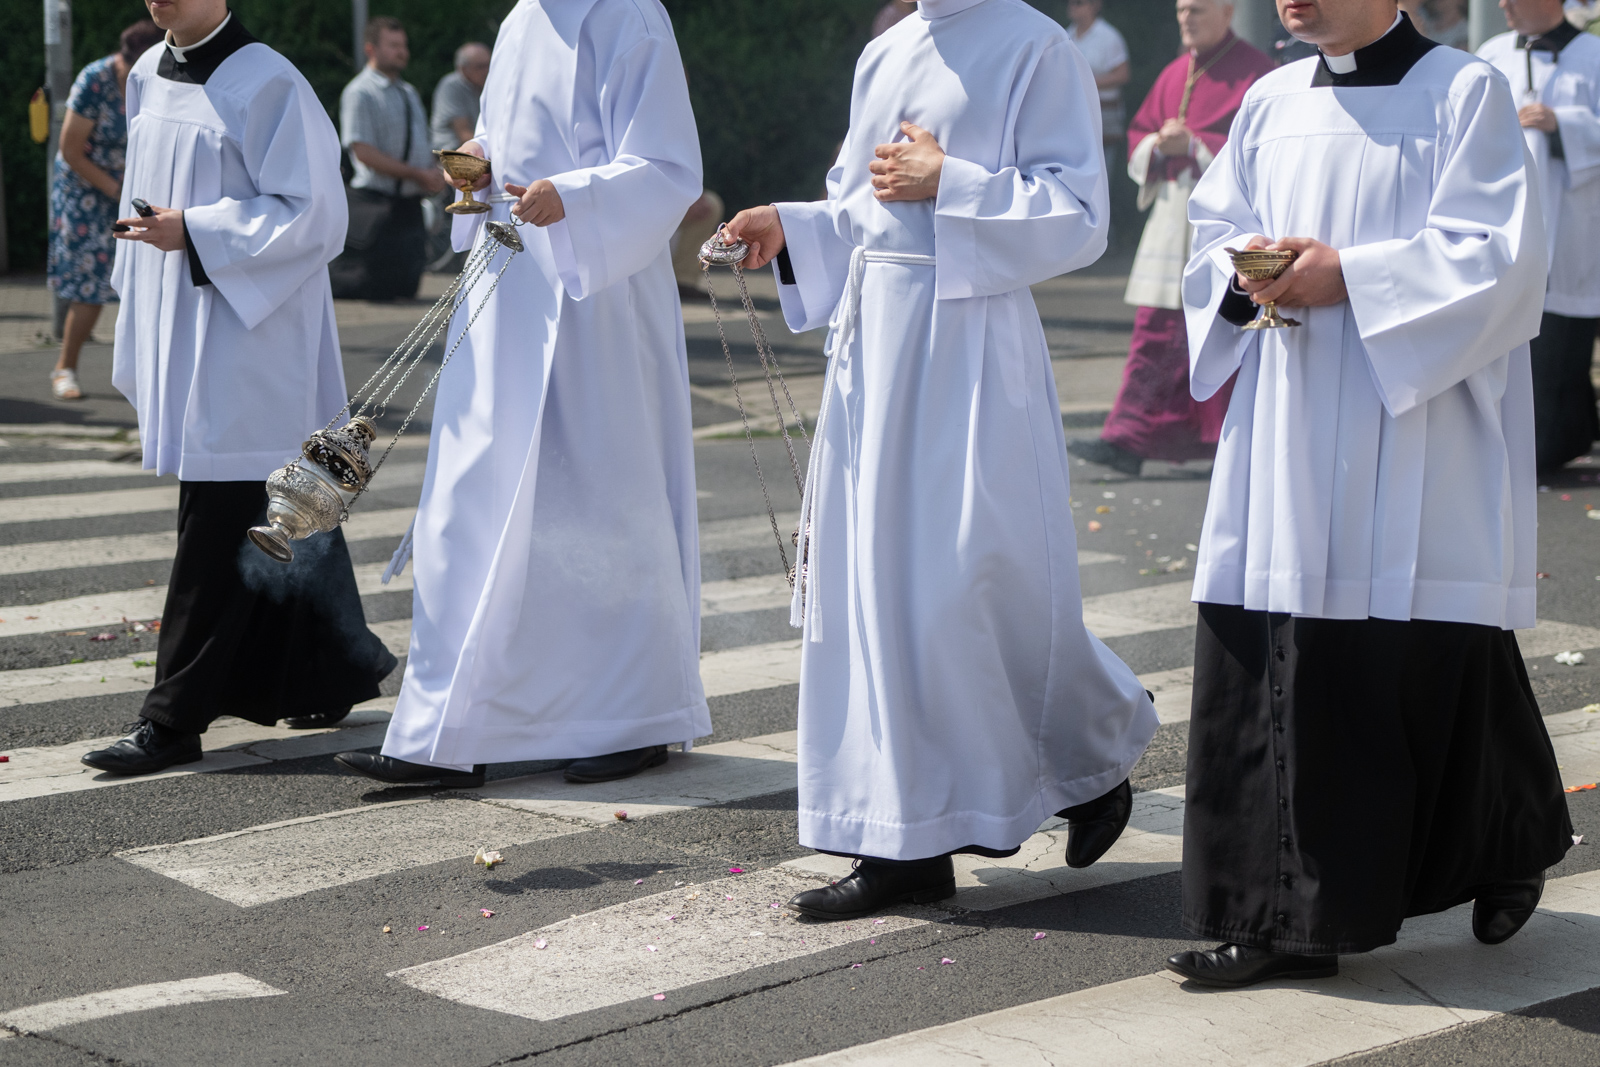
(938, 9)
(181, 52)
(1346, 64)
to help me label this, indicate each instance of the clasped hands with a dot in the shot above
(538, 203)
(1314, 279)
(902, 170)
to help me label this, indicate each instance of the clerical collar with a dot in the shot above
(938, 9)
(1383, 62)
(1552, 41)
(196, 63)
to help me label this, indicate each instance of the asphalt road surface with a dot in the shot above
(261, 907)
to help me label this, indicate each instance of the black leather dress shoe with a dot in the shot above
(1500, 911)
(874, 886)
(1093, 827)
(316, 720)
(1107, 455)
(402, 772)
(1230, 966)
(150, 748)
(617, 765)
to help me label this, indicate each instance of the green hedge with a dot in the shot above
(770, 79)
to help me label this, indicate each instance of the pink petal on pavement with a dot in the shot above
(1038, 937)
(947, 959)
(541, 943)
(659, 996)
(735, 870)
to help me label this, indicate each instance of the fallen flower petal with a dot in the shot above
(421, 928)
(488, 858)
(947, 959)
(1038, 937)
(735, 870)
(854, 966)
(879, 922)
(541, 943)
(1577, 839)
(729, 896)
(1579, 788)
(385, 929)
(620, 816)
(874, 941)
(638, 881)
(7, 759)
(659, 996)
(1094, 527)
(650, 948)
(103, 637)
(486, 913)
(774, 905)
(1571, 659)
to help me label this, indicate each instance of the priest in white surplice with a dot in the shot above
(226, 346)
(557, 583)
(1554, 71)
(1364, 743)
(950, 698)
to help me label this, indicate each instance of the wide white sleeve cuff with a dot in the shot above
(579, 228)
(211, 245)
(1580, 143)
(821, 264)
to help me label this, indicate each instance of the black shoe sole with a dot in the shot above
(315, 722)
(447, 780)
(920, 896)
(583, 779)
(126, 772)
(1216, 982)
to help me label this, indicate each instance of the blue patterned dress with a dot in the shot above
(81, 215)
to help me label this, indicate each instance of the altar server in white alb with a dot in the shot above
(1554, 71)
(227, 348)
(557, 603)
(950, 698)
(1364, 743)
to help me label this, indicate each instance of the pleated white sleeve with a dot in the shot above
(1434, 308)
(820, 259)
(1045, 211)
(1580, 140)
(621, 215)
(259, 251)
(1220, 211)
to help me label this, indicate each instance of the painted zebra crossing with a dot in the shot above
(672, 944)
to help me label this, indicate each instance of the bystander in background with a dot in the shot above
(84, 191)
(1107, 53)
(382, 125)
(454, 119)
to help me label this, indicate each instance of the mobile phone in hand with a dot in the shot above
(143, 208)
(117, 227)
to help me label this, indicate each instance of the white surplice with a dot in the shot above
(1376, 461)
(557, 584)
(949, 694)
(229, 378)
(1569, 84)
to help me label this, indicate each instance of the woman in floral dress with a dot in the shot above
(85, 190)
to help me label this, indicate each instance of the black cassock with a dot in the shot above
(245, 635)
(1345, 774)
(1565, 422)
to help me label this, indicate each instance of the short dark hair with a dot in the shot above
(139, 39)
(378, 25)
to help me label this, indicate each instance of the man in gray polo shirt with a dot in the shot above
(455, 118)
(383, 126)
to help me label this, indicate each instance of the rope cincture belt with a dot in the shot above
(842, 331)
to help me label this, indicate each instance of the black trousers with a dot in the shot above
(245, 635)
(1345, 774)
(1565, 422)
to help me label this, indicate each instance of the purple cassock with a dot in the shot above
(1154, 416)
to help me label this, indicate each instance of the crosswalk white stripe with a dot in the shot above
(280, 860)
(655, 945)
(126, 674)
(142, 548)
(20, 473)
(88, 505)
(1435, 978)
(55, 1014)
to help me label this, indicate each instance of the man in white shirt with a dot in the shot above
(1554, 72)
(1107, 54)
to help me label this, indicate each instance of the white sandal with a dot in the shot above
(64, 385)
